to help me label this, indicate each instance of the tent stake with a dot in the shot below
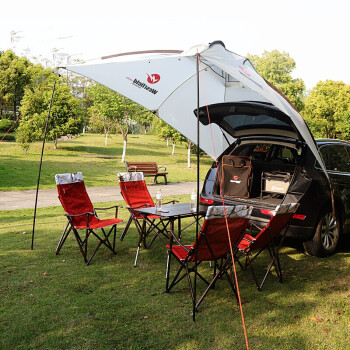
(41, 161)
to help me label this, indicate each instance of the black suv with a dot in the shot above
(276, 167)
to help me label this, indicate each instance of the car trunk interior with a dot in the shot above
(256, 173)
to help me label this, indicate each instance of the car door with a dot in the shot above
(337, 160)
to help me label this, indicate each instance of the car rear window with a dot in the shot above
(243, 121)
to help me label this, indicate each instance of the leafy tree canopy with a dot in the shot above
(15, 74)
(327, 109)
(66, 113)
(276, 67)
(165, 131)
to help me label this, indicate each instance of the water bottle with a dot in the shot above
(193, 200)
(159, 199)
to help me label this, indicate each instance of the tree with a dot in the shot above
(327, 109)
(276, 67)
(100, 122)
(143, 117)
(66, 113)
(165, 131)
(79, 84)
(15, 74)
(113, 107)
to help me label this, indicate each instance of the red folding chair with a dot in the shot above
(222, 228)
(81, 215)
(251, 246)
(136, 195)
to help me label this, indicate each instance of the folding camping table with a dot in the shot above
(173, 212)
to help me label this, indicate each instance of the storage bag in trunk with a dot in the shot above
(275, 182)
(236, 176)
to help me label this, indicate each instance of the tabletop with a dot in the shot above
(169, 211)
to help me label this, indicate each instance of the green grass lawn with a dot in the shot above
(56, 302)
(99, 163)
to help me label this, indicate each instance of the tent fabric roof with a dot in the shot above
(165, 82)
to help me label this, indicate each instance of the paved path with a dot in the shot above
(13, 200)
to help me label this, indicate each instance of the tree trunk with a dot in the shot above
(188, 157)
(106, 138)
(173, 152)
(14, 109)
(55, 144)
(125, 139)
(167, 142)
(124, 151)
(190, 144)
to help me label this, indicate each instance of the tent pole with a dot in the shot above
(197, 204)
(41, 161)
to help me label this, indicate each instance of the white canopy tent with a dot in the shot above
(165, 83)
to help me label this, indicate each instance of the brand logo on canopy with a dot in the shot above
(153, 78)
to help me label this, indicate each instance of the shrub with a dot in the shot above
(5, 124)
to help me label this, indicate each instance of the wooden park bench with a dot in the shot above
(148, 169)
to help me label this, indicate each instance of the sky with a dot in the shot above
(315, 33)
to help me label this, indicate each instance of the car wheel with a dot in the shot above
(326, 238)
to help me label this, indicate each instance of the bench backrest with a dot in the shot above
(145, 167)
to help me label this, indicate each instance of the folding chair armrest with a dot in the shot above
(82, 214)
(140, 206)
(255, 225)
(114, 206)
(172, 201)
(173, 236)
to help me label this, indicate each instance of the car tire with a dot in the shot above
(326, 237)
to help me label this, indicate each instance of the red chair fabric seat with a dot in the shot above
(179, 251)
(95, 224)
(246, 242)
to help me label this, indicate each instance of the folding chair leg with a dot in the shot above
(231, 280)
(126, 228)
(167, 269)
(80, 242)
(137, 255)
(279, 269)
(250, 263)
(86, 242)
(63, 238)
(210, 286)
(277, 266)
(189, 282)
(114, 237)
(176, 280)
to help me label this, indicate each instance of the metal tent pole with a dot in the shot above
(197, 204)
(41, 161)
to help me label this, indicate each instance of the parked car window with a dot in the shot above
(339, 158)
(324, 154)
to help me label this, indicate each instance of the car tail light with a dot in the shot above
(205, 200)
(299, 216)
(266, 212)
